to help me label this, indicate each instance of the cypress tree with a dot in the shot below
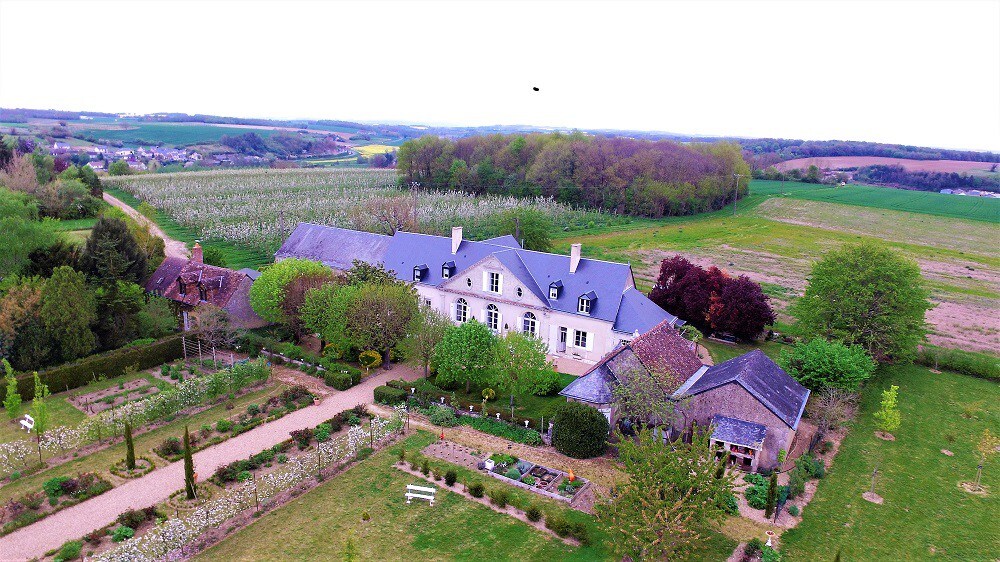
(772, 495)
(188, 466)
(129, 448)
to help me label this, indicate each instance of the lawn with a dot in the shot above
(316, 525)
(61, 412)
(101, 461)
(534, 407)
(925, 515)
(373, 149)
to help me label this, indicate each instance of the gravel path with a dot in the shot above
(172, 248)
(75, 522)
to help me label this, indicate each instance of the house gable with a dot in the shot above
(511, 282)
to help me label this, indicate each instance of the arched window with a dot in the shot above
(461, 310)
(529, 325)
(493, 317)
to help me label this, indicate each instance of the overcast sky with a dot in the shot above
(923, 73)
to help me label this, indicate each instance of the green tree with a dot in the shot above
(118, 306)
(129, 447)
(189, 489)
(887, 416)
(68, 310)
(324, 311)
(119, 168)
(521, 365)
(112, 253)
(579, 431)
(214, 256)
(819, 364)
(268, 291)
(867, 295)
(424, 334)
(529, 226)
(363, 273)
(21, 233)
(465, 355)
(40, 412)
(12, 400)
(643, 398)
(772, 495)
(670, 496)
(380, 317)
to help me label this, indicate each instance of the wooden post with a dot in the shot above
(184, 347)
(874, 475)
(256, 498)
(199, 351)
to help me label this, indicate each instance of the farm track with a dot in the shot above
(172, 248)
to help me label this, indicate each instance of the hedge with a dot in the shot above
(109, 364)
(502, 429)
(969, 363)
(428, 394)
(389, 395)
(338, 380)
(580, 431)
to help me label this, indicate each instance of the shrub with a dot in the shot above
(425, 467)
(513, 474)
(322, 432)
(282, 458)
(253, 410)
(353, 419)
(793, 510)
(529, 480)
(730, 505)
(443, 416)
(580, 431)
(244, 476)
(797, 481)
(503, 429)
(476, 489)
(499, 497)
(558, 524)
(222, 426)
(122, 533)
(533, 513)
(389, 395)
(33, 500)
(401, 454)
(302, 437)
(450, 477)
(580, 531)
(53, 487)
(70, 550)
(364, 453)
(768, 554)
(338, 380)
(753, 547)
(95, 537)
(812, 466)
(757, 496)
(171, 446)
(131, 518)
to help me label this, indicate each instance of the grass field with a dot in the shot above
(316, 525)
(373, 149)
(843, 162)
(924, 202)
(775, 240)
(926, 515)
(178, 134)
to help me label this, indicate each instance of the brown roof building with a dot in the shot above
(193, 282)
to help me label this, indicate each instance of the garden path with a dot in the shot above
(75, 522)
(172, 248)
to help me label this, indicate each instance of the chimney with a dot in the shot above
(456, 238)
(196, 255)
(574, 257)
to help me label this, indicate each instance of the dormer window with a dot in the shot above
(420, 272)
(202, 294)
(446, 269)
(180, 287)
(586, 302)
(554, 288)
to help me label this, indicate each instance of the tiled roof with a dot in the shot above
(165, 275)
(739, 432)
(225, 288)
(763, 379)
(660, 353)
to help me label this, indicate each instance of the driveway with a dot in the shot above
(75, 522)
(172, 248)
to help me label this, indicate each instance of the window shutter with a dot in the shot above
(454, 311)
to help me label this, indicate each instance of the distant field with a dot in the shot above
(841, 162)
(924, 202)
(373, 149)
(172, 133)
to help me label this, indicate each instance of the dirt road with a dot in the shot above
(172, 248)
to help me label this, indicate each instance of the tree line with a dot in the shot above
(767, 152)
(895, 176)
(618, 175)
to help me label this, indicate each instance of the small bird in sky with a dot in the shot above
(535, 88)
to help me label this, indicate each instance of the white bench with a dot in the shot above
(28, 423)
(420, 493)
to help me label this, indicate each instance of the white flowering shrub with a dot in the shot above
(166, 539)
(109, 423)
(260, 207)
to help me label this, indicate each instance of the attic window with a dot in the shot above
(419, 271)
(583, 305)
(554, 288)
(446, 269)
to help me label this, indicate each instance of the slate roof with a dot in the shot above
(617, 300)
(253, 274)
(660, 353)
(763, 379)
(739, 432)
(335, 247)
(165, 275)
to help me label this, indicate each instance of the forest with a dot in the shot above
(618, 175)
(895, 176)
(767, 152)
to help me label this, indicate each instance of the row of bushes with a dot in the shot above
(966, 362)
(110, 364)
(502, 429)
(25, 510)
(427, 394)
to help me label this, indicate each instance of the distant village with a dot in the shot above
(140, 158)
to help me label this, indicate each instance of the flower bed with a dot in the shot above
(60, 492)
(289, 400)
(502, 429)
(537, 478)
(143, 466)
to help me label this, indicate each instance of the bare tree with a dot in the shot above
(214, 325)
(832, 408)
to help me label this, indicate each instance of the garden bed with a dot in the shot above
(100, 400)
(56, 494)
